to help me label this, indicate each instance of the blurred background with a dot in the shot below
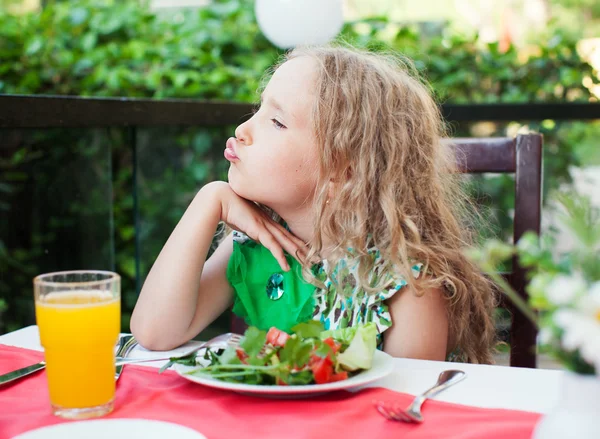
(103, 186)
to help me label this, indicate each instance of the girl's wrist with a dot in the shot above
(211, 197)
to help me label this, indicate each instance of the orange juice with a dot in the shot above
(79, 330)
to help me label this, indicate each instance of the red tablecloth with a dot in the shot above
(143, 393)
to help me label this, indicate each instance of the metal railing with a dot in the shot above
(18, 111)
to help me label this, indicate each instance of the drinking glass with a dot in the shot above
(78, 314)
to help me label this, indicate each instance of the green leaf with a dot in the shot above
(166, 366)
(296, 351)
(82, 66)
(323, 350)
(359, 355)
(253, 341)
(127, 232)
(88, 41)
(34, 46)
(179, 79)
(127, 267)
(78, 16)
(310, 329)
(298, 378)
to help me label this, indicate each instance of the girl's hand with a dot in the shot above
(245, 216)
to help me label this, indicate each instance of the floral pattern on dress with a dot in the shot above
(346, 304)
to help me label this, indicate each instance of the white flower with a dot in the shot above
(594, 294)
(539, 284)
(564, 289)
(581, 328)
(589, 304)
(545, 336)
(564, 318)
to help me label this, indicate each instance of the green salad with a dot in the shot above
(309, 355)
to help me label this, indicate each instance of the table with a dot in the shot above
(535, 390)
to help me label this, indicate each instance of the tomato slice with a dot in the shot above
(334, 345)
(322, 369)
(275, 337)
(340, 376)
(241, 354)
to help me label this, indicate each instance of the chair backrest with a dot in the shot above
(523, 157)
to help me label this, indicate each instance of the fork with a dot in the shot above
(230, 339)
(126, 344)
(413, 412)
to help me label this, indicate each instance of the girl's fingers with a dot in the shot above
(285, 240)
(276, 238)
(265, 237)
(299, 243)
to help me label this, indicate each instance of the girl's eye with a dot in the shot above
(278, 125)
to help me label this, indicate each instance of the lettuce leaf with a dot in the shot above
(345, 335)
(360, 351)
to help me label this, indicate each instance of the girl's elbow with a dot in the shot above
(150, 336)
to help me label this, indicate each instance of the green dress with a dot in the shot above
(266, 296)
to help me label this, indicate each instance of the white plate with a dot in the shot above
(113, 429)
(383, 365)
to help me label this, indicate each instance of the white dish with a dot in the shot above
(113, 429)
(383, 365)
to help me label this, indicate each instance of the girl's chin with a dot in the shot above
(238, 187)
(249, 192)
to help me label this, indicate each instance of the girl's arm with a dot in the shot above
(179, 280)
(419, 325)
(184, 292)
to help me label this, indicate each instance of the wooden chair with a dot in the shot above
(523, 157)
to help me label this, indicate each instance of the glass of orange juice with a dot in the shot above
(78, 314)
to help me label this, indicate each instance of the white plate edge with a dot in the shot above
(383, 365)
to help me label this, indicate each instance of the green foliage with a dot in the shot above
(119, 48)
(114, 48)
(564, 286)
(581, 17)
(463, 70)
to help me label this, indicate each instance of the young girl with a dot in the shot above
(345, 209)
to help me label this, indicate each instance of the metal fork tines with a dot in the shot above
(392, 412)
(126, 344)
(229, 339)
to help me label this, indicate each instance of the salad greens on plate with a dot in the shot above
(310, 355)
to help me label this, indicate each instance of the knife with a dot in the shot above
(19, 373)
(126, 344)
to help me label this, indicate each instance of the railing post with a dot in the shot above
(136, 210)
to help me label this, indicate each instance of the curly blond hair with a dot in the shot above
(396, 187)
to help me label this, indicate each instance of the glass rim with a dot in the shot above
(40, 279)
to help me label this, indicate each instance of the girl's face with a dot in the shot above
(274, 157)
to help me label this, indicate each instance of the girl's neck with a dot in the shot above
(301, 223)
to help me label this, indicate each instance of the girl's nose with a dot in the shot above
(242, 133)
